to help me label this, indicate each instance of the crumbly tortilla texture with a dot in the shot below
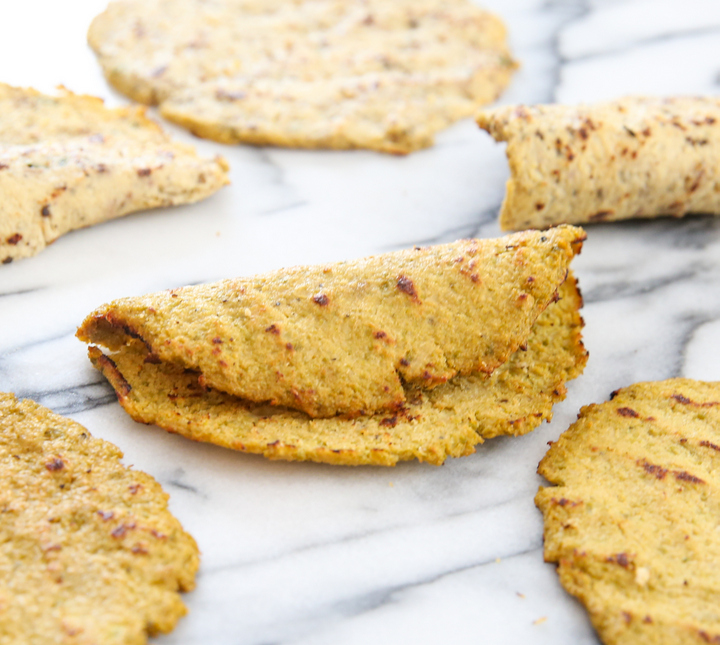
(632, 520)
(446, 421)
(306, 73)
(89, 552)
(345, 338)
(67, 162)
(631, 158)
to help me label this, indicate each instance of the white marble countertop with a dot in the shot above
(313, 554)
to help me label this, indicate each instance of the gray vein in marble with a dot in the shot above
(486, 219)
(651, 40)
(623, 289)
(20, 292)
(574, 14)
(284, 208)
(176, 482)
(375, 599)
(357, 539)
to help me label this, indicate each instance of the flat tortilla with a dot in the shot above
(632, 520)
(89, 552)
(306, 73)
(67, 162)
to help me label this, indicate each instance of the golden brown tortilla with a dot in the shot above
(306, 73)
(633, 518)
(89, 552)
(446, 421)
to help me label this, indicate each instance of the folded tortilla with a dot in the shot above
(347, 338)
(433, 423)
(631, 158)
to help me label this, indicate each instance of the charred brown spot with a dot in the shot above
(627, 412)
(112, 373)
(321, 299)
(709, 444)
(139, 549)
(583, 133)
(692, 187)
(380, 334)
(45, 211)
(3, 166)
(106, 515)
(708, 638)
(272, 329)
(406, 285)
(289, 347)
(648, 619)
(685, 401)
(14, 239)
(122, 530)
(684, 476)
(217, 340)
(389, 422)
(55, 464)
(647, 132)
(657, 471)
(601, 215)
(7, 260)
(405, 362)
(539, 206)
(144, 172)
(621, 559)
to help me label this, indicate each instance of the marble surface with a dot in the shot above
(312, 554)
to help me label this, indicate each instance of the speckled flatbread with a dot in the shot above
(89, 552)
(347, 337)
(447, 420)
(306, 73)
(635, 157)
(634, 519)
(67, 162)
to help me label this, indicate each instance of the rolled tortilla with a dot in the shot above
(635, 157)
